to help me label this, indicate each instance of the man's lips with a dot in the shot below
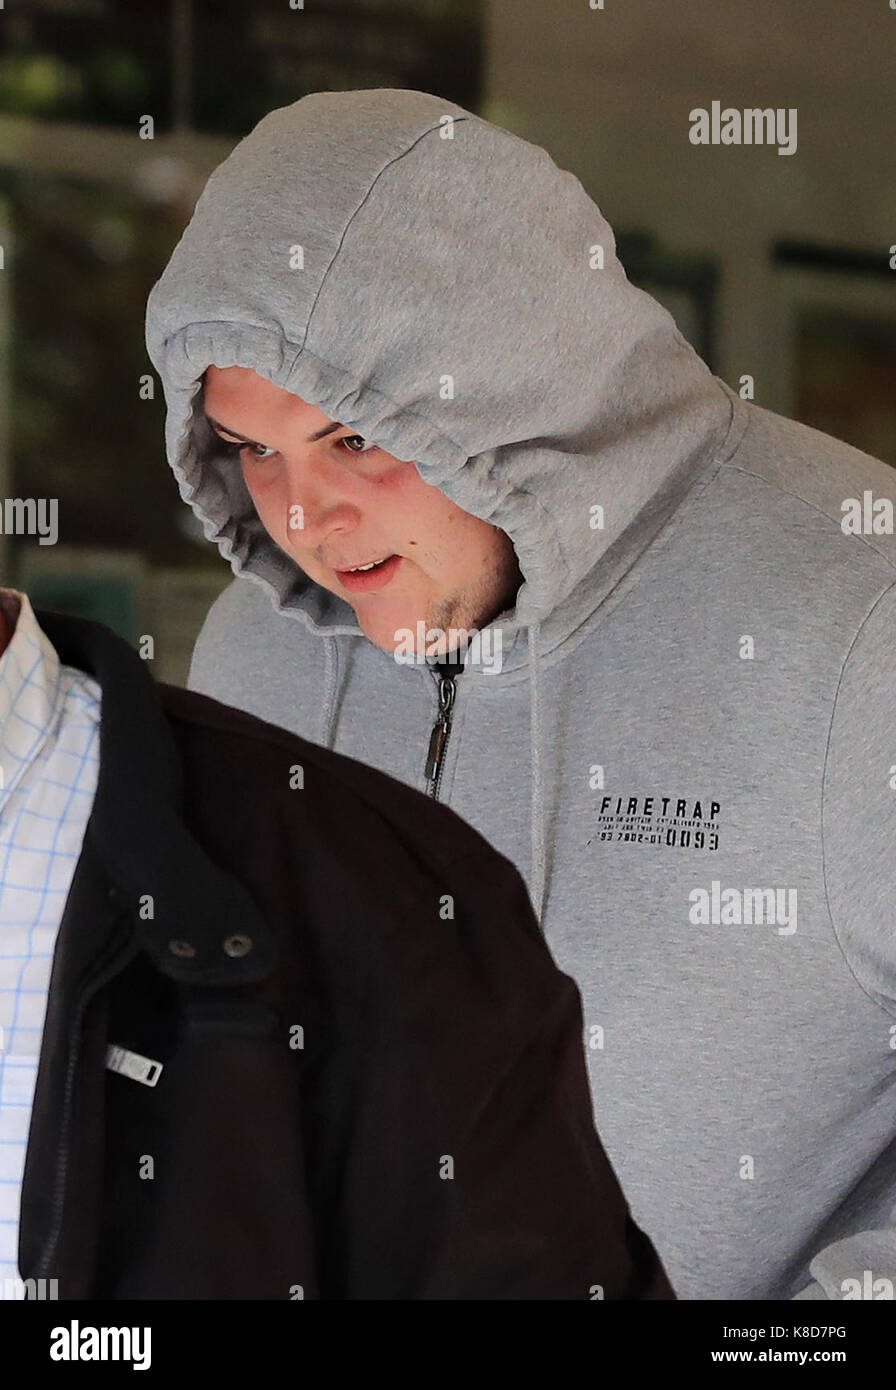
(365, 581)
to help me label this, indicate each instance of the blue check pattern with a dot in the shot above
(49, 764)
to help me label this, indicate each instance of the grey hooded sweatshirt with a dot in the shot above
(688, 746)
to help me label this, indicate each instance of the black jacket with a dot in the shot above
(372, 1080)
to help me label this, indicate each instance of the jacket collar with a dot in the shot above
(194, 919)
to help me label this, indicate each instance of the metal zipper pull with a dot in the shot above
(146, 1070)
(440, 731)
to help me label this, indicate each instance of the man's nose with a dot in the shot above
(316, 503)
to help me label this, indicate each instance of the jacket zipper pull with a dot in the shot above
(440, 730)
(133, 1064)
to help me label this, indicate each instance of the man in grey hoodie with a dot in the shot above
(676, 716)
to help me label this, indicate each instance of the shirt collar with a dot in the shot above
(29, 690)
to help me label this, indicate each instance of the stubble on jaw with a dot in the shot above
(474, 608)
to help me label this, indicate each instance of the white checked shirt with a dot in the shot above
(49, 764)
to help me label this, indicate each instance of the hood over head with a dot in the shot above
(362, 249)
(433, 245)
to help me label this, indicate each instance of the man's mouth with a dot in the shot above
(372, 574)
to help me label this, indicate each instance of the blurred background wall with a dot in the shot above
(777, 267)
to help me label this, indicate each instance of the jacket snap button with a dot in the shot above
(181, 948)
(238, 945)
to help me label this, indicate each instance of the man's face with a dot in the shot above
(336, 501)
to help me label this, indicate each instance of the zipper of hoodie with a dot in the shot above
(62, 1153)
(441, 729)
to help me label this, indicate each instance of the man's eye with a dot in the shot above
(236, 446)
(347, 439)
(354, 444)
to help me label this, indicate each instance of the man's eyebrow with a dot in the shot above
(318, 434)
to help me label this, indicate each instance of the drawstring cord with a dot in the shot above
(331, 658)
(536, 782)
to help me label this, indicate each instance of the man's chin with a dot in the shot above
(388, 638)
